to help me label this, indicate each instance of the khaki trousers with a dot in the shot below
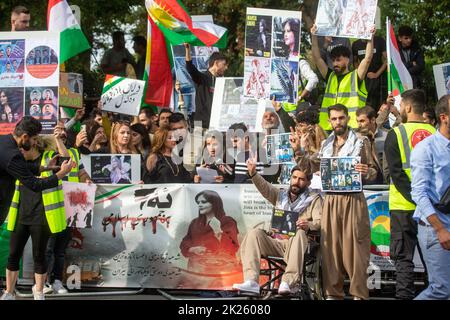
(257, 243)
(345, 244)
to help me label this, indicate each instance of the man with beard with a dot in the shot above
(343, 86)
(13, 164)
(345, 227)
(399, 143)
(20, 19)
(204, 84)
(257, 242)
(430, 170)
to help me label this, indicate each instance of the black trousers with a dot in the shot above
(402, 246)
(56, 254)
(19, 237)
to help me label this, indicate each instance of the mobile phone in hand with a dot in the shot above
(60, 160)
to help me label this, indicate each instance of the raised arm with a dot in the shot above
(318, 61)
(365, 63)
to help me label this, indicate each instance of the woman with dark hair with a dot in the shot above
(212, 234)
(92, 139)
(5, 108)
(263, 39)
(141, 141)
(291, 29)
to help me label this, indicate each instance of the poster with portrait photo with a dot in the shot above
(283, 223)
(71, 90)
(113, 168)
(279, 148)
(42, 104)
(286, 38)
(258, 35)
(285, 173)
(256, 78)
(230, 106)
(338, 174)
(442, 79)
(284, 80)
(11, 108)
(12, 56)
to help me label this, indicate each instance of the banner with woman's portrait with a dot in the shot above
(272, 53)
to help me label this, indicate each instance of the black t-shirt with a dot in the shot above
(166, 171)
(31, 206)
(379, 46)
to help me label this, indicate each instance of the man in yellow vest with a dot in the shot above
(343, 86)
(399, 143)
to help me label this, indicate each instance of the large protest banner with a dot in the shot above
(153, 236)
(230, 106)
(29, 78)
(200, 57)
(347, 19)
(272, 53)
(122, 95)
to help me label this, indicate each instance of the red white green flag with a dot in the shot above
(399, 79)
(60, 18)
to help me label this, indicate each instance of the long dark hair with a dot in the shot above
(294, 25)
(142, 130)
(216, 201)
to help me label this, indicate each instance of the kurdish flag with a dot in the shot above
(60, 18)
(399, 79)
(169, 23)
(176, 24)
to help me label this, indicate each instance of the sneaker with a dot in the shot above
(58, 287)
(7, 296)
(37, 295)
(284, 289)
(248, 286)
(48, 288)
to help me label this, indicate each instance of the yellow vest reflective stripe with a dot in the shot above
(53, 200)
(73, 174)
(408, 135)
(347, 92)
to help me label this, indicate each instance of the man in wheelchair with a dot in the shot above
(258, 243)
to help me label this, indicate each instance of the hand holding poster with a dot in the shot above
(79, 201)
(347, 19)
(272, 49)
(283, 223)
(338, 174)
(122, 95)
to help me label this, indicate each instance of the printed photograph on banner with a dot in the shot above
(114, 169)
(201, 63)
(71, 90)
(283, 223)
(258, 36)
(122, 95)
(286, 38)
(278, 148)
(79, 201)
(42, 104)
(11, 109)
(256, 78)
(42, 62)
(442, 79)
(12, 61)
(230, 106)
(284, 80)
(338, 174)
(347, 19)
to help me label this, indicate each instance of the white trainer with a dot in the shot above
(247, 286)
(284, 289)
(7, 296)
(48, 288)
(37, 295)
(58, 287)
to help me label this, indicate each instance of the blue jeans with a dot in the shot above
(437, 260)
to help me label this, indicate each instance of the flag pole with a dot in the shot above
(388, 49)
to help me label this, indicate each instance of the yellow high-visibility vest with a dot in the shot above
(408, 135)
(75, 155)
(347, 92)
(53, 200)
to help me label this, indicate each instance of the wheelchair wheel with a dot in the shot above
(313, 277)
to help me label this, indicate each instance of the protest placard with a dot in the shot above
(279, 148)
(442, 79)
(29, 78)
(113, 168)
(346, 19)
(79, 199)
(272, 50)
(338, 174)
(283, 223)
(122, 95)
(230, 106)
(71, 90)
